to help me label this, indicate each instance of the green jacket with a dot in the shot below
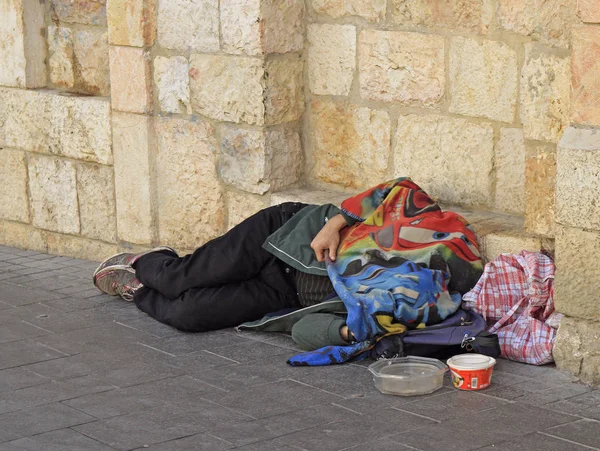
(291, 242)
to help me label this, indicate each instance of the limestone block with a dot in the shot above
(78, 60)
(77, 247)
(243, 205)
(494, 244)
(331, 58)
(22, 46)
(372, 10)
(283, 25)
(540, 184)
(189, 25)
(483, 79)
(589, 10)
(25, 119)
(172, 80)
(284, 94)
(287, 157)
(546, 20)
(510, 171)
(469, 15)
(257, 161)
(450, 158)
(241, 27)
(401, 67)
(576, 349)
(190, 199)
(81, 128)
(228, 88)
(130, 79)
(14, 201)
(131, 22)
(133, 152)
(310, 196)
(257, 27)
(22, 236)
(350, 144)
(61, 56)
(578, 179)
(89, 12)
(52, 184)
(545, 95)
(585, 82)
(576, 252)
(96, 194)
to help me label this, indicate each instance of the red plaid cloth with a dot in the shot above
(516, 296)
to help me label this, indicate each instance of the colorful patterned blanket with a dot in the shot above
(403, 265)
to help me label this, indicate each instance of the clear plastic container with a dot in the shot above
(408, 376)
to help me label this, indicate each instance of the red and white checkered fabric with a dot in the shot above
(516, 296)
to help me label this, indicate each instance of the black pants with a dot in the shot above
(227, 281)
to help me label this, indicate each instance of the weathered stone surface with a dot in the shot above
(589, 10)
(401, 67)
(510, 171)
(483, 79)
(241, 27)
(228, 88)
(190, 199)
(61, 53)
(452, 159)
(350, 144)
(547, 20)
(43, 121)
(92, 12)
(494, 244)
(284, 83)
(283, 25)
(132, 152)
(576, 349)
(172, 80)
(257, 27)
(585, 80)
(14, 201)
(578, 179)
(257, 161)
(78, 60)
(26, 119)
(310, 196)
(372, 10)
(82, 128)
(244, 161)
(469, 15)
(77, 247)
(545, 95)
(130, 79)
(576, 252)
(243, 205)
(22, 46)
(96, 194)
(287, 157)
(131, 22)
(540, 184)
(52, 183)
(331, 58)
(189, 25)
(22, 236)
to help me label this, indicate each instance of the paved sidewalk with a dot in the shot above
(84, 371)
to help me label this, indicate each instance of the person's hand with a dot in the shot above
(326, 242)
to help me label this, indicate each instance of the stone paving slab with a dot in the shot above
(81, 370)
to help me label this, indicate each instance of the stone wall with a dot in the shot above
(130, 123)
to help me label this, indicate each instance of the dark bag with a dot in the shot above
(464, 331)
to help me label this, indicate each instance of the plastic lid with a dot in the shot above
(471, 362)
